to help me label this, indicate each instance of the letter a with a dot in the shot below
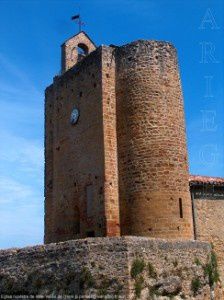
(209, 19)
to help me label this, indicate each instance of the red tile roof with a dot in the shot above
(197, 179)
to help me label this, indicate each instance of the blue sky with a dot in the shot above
(31, 34)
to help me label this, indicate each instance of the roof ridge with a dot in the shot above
(77, 35)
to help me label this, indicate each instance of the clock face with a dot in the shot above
(74, 116)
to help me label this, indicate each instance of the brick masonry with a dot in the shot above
(104, 266)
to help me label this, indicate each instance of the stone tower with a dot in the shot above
(152, 155)
(115, 144)
(81, 174)
(75, 49)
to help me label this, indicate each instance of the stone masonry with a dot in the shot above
(208, 203)
(70, 50)
(119, 268)
(81, 158)
(152, 156)
(122, 168)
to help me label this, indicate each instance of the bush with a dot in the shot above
(137, 268)
(197, 262)
(195, 285)
(211, 270)
(139, 285)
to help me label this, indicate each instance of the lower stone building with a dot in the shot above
(207, 195)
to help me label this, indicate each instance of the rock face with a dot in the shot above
(128, 267)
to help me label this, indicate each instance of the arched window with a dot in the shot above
(82, 49)
(79, 52)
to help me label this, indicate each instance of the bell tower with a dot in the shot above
(81, 173)
(75, 49)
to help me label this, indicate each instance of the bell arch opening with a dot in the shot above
(83, 50)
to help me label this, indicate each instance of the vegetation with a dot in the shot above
(211, 270)
(197, 262)
(117, 291)
(137, 268)
(139, 285)
(103, 289)
(195, 285)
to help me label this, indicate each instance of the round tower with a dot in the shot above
(152, 156)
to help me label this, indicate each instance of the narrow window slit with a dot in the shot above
(181, 208)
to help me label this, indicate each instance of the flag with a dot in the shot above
(75, 17)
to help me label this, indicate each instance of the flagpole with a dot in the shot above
(77, 19)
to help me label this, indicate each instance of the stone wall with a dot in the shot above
(70, 50)
(80, 159)
(209, 226)
(69, 172)
(111, 180)
(152, 156)
(128, 267)
(208, 203)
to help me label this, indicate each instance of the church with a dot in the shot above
(124, 219)
(116, 161)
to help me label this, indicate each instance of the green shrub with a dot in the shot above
(211, 270)
(139, 285)
(195, 285)
(137, 268)
(197, 262)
